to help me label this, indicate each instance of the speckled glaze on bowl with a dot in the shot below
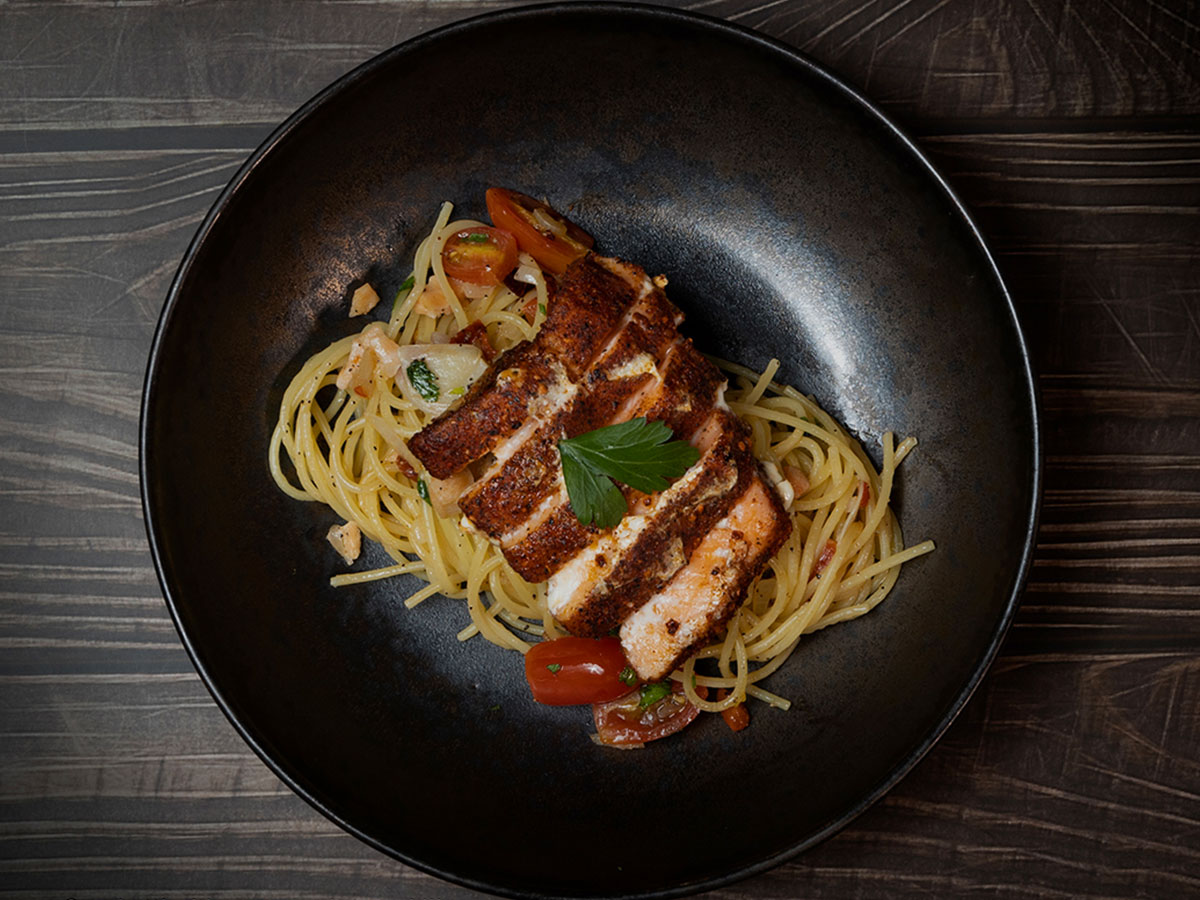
(793, 221)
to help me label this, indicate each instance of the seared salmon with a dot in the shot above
(672, 572)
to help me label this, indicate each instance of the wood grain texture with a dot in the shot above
(1070, 130)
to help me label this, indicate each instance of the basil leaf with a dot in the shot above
(423, 380)
(406, 287)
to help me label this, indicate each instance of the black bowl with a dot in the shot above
(794, 221)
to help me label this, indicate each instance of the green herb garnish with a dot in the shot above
(474, 237)
(652, 693)
(638, 453)
(424, 382)
(554, 668)
(458, 391)
(423, 491)
(542, 308)
(628, 676)
(406, 286)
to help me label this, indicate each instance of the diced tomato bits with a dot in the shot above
(476, 335)
(866, 496)
(405, 467)
(736, 717)
(825, 558)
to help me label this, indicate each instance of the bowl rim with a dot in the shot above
(662, 15)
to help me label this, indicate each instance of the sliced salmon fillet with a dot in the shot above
(682, 559)
(621, 568)
(699, 600)
(510, 492)
(528, 381)
(682, 397)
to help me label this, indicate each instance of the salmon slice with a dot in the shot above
(678, 564)
(528, 381)
(682, 397)
(699, 600)
(512, 490)
(520, 386)
(621, 568)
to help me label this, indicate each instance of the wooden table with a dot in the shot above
(1071, 130)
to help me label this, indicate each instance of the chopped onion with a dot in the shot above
(346, 539)
(455, 366)
(782, 485)
(364, 300)
(547, 222)
(527, 270)
(444, 492)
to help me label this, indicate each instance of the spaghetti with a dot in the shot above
(349, 451)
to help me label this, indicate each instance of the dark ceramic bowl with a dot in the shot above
(794, 221)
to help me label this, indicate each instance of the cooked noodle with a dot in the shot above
(343, 451)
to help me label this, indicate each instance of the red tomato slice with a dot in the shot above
(625, 721)
(555, 242)
(480, 255)
(573, 670)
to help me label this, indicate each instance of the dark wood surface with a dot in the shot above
(1072, 131)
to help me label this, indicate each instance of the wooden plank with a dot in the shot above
(1057, 768)
(927, 62)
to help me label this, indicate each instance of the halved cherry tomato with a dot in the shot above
(626, 720)
(572, 670)
(555, 242)
(480, 255)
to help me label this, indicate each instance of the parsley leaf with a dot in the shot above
(594, 498)
(652, 693)
(423, 491)
(474, 237)
(423, 380)
(554, 668)
(406, 287)
(638, 453)
(628, 676)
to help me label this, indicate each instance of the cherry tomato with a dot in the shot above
(555, 242)
(480, 255)
(626, 720)
(573, 670)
